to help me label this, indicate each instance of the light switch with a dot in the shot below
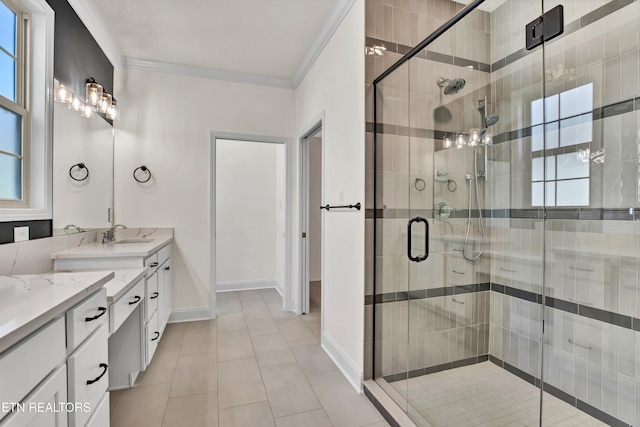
(20, 234)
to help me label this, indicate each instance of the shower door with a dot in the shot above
(589, 172)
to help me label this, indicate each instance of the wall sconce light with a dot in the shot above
(62, 93)
(105, 102)
(113, 112)
(97, 99)
(474, 137)
(446, 141)
(93, 92)
(460, 141)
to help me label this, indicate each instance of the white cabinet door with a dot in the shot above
(88, 378)
(152, 334)
(100, 417)
(152, 295)
(37, 410)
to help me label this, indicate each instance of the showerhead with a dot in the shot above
(451, 86)
(491, 120)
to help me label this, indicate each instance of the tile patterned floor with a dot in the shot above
(253, 366)
(486, 395)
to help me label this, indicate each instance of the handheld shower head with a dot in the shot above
(451, 86)
(491, 120)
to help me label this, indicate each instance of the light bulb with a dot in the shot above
(94, 92)
(460, 141)
(113, 112)
(63, 94)
(474, 137)
(104, 103)
(487, 140)
(446, 142)
(76, 104)
(87, 112)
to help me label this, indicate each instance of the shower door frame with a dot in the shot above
(472, 6)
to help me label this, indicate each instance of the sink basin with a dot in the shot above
(133, 241)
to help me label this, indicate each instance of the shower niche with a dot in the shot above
(529, 164)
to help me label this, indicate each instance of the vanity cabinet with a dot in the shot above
(154, 292)
(64, 361)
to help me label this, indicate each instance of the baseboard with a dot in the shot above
(189, 314)
(245, 285)
(342, 361)
(280, 289)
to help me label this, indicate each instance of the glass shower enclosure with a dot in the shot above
(506, 242)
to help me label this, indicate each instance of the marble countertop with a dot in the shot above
(115, 250)
(28, 302)
(123, 280)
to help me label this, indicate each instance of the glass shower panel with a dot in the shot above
(391, 353)
(591, 340)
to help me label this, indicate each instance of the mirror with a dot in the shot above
(82, 171)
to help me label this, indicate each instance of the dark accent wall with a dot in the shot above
(77, 56)
(37, 229)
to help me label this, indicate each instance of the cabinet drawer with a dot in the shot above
(152, 335)
(151, 262)
(88, 378)
(152, 295)
(52, 391)
(122, 308)
(86, 317)
(23, 366)
(100, 417)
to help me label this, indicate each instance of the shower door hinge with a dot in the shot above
(304, 235)
(544, 27)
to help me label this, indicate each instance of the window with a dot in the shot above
(560, 162)
(14, 114)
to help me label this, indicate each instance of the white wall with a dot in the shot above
(166, 124)
(315, 215)
(247, 215)
(335, 84)
(79, 140)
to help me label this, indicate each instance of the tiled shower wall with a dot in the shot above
(591, 253)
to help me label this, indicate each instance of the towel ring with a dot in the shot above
(420, 184)
(143, 169)
(79, 166)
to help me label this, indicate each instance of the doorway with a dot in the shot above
(249, 215)
(311, 192)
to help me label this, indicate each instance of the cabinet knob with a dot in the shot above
(155, 295)
(167, 268)
(153, 264)
(136, 300)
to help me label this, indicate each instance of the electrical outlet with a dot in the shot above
(20, 234)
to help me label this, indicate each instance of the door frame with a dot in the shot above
(286, 142)
(302, 303)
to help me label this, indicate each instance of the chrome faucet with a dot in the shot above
(70, 226)
(110, 234)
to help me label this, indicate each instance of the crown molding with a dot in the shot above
(206, 73)
(331, 24)
(90, 20)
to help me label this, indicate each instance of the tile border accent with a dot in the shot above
(426, 293)
(578, 24)
(592, 214)
(605, 316)
(562, 395)
(599, 113)
(429, 55)
(438, 368)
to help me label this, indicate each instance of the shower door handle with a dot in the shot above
(426, 239)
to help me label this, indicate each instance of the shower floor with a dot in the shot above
(486, 395)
